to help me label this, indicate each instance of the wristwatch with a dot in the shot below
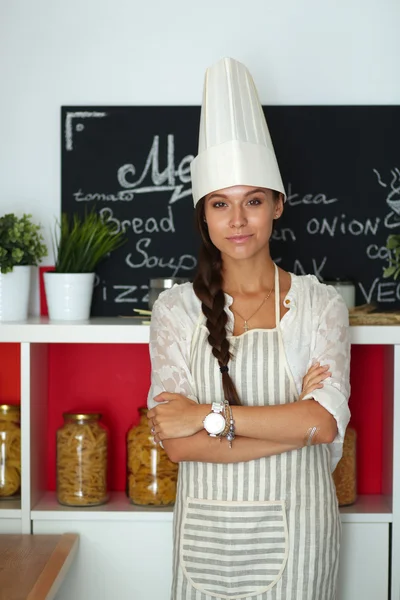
(214, 422)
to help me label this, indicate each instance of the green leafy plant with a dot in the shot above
(21, 243)
(393, 244)
(80, 243)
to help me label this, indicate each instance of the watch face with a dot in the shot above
(214, 423)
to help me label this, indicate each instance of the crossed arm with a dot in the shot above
(261, 430)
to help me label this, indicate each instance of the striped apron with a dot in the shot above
(266, 529)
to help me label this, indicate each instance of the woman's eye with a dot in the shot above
(218, 204)
(255, 201)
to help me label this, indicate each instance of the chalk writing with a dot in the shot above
(378, 252)
(131, 294)
(341, 225)
(383, 292)
(159, 178)
(121, 196)
(185, 262)
(283, 235)
(138, 225)
(294, 199)
(69, 124)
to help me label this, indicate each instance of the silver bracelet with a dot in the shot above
(230, 436)
(310, 434)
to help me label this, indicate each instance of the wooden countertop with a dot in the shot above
(32, 567)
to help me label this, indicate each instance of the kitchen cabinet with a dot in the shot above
(126, 551)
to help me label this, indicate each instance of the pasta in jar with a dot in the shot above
(344, 476)
(10, 451)
(151, 475)
(82, 451)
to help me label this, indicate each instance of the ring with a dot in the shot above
(153, 430)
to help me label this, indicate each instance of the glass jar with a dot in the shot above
(151, 475)
(160, 285)
(346, 289)
(82, 450)
(10, 452)
(344, 476)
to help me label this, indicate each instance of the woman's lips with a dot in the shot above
(239, 239)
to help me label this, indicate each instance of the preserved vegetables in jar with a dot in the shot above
(10, 451)
(82, 452)
(344, 476)
(151, 475)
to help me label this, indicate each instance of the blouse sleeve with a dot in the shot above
(170, 337)
(332, 347)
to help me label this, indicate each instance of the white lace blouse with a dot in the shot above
(315, 328)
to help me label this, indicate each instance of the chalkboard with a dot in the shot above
(340, 166)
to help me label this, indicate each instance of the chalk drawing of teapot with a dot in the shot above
(392, 219)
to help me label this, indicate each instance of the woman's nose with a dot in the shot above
(238, 218)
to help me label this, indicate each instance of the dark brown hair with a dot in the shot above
(207, 286)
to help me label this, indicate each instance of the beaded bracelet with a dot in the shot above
(227, 410)
(229, 431)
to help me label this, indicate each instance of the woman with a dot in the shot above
(250, 369)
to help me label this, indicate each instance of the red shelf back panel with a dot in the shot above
(10, 380)
(112, 379)
(366, 405)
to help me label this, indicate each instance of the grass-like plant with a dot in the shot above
(82, 242)
(393, 244)
(21, 243)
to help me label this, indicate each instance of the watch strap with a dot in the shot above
(217, 407)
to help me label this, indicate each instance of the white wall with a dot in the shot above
(55, 52)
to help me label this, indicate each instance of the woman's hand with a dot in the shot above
(175, 417)
(313, 379)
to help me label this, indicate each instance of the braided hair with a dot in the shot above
(207, 286)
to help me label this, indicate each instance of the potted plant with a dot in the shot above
(21, 248)
(393, 244)
(80, 243)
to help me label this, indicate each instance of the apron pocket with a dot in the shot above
(233, 549)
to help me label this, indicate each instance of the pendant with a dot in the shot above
(245, 326)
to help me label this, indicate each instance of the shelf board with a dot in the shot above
(125, 330)
(118, 508)
(98, 330)
(375, 334)
(367, 509)
(10, 509)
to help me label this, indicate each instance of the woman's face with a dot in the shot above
(239, 219)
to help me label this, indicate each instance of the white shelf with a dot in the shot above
(10, 509)
(99, 330)
(375, 334)
(118, 508)
(367, 509)
(125, 330)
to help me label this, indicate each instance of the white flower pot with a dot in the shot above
(69, 295)
(14, 294)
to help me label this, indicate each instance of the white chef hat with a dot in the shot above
(235, 146)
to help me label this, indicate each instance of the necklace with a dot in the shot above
(245, 326)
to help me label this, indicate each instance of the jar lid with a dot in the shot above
(166, 283)
(75, 416)
(339, 282)
(9, 408)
